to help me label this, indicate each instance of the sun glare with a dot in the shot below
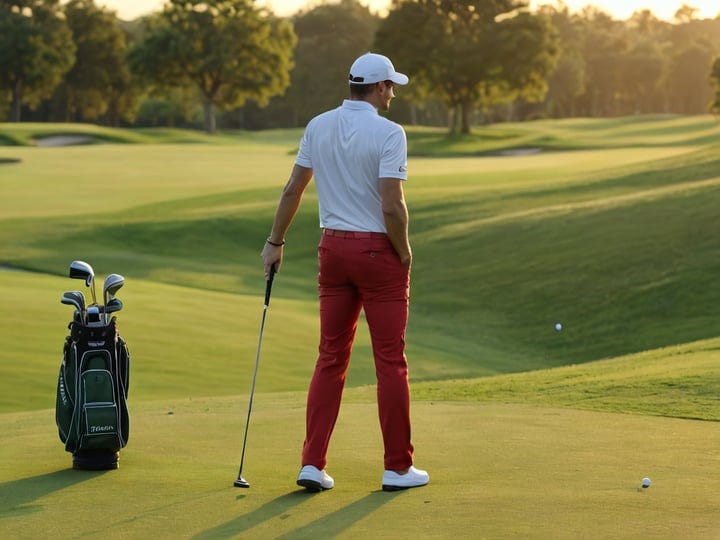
(620, 9)
(623, 9)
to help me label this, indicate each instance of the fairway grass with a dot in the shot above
(497, 471)
(214, 354)
(608, 226)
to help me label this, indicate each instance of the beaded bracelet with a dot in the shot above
(274, 243)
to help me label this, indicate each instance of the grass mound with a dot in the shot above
(611, 229)
(620, 245)
(681, 381)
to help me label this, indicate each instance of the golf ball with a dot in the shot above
(558, 326)
(646, 483)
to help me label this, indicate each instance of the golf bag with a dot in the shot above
(91, 406)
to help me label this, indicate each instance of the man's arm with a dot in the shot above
(287, 208)
(396, 217)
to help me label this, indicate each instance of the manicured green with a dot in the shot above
(607, 226)
(497, 471)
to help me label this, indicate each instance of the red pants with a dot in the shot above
(361, 272)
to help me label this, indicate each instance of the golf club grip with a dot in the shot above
(268, 285)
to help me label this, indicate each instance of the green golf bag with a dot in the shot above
(91, 407)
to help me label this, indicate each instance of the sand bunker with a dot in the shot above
(63, 140)
(520, 152)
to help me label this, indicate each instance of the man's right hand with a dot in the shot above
(271, 255)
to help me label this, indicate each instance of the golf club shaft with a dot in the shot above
(268, 288)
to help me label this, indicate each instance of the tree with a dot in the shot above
(100, 81)
(645, 23)
(686, 13)
(686, 82)
(36, 50)
(714, 106)
(229, 50)
(567, 80)
(644, 63)
(640, 70)
(471, 53)
(605, 41)
(330, 37)
(177, 107)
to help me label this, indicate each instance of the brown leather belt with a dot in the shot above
(353, 234)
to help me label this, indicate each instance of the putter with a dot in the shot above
(82, 270)
(241, 482)
(110, 288)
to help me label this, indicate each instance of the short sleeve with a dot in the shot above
(393, 159)
(304, 154)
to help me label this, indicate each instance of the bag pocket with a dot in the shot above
(100, 411)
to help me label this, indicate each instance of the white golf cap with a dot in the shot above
(371, 68)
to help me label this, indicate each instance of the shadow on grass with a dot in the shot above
(269, 510)
(332, 525)
(17, 496)
(326, 526)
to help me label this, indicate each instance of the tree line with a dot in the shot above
(232, 64)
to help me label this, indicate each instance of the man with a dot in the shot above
(359, 160)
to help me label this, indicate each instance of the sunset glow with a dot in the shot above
(620, 9)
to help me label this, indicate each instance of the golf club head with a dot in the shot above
(74, 298)
(113, 305)
(82, 270)
(241, 483)
(74, 295)
(112, 284)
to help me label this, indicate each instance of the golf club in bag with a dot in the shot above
(91, 410)
(241, 482)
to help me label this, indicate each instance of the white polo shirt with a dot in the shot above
(349, 149)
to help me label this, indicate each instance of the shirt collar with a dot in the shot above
(358, 105)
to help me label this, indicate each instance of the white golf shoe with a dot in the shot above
(313, 479)
(393, 481)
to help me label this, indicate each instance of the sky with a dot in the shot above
(620, 9)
